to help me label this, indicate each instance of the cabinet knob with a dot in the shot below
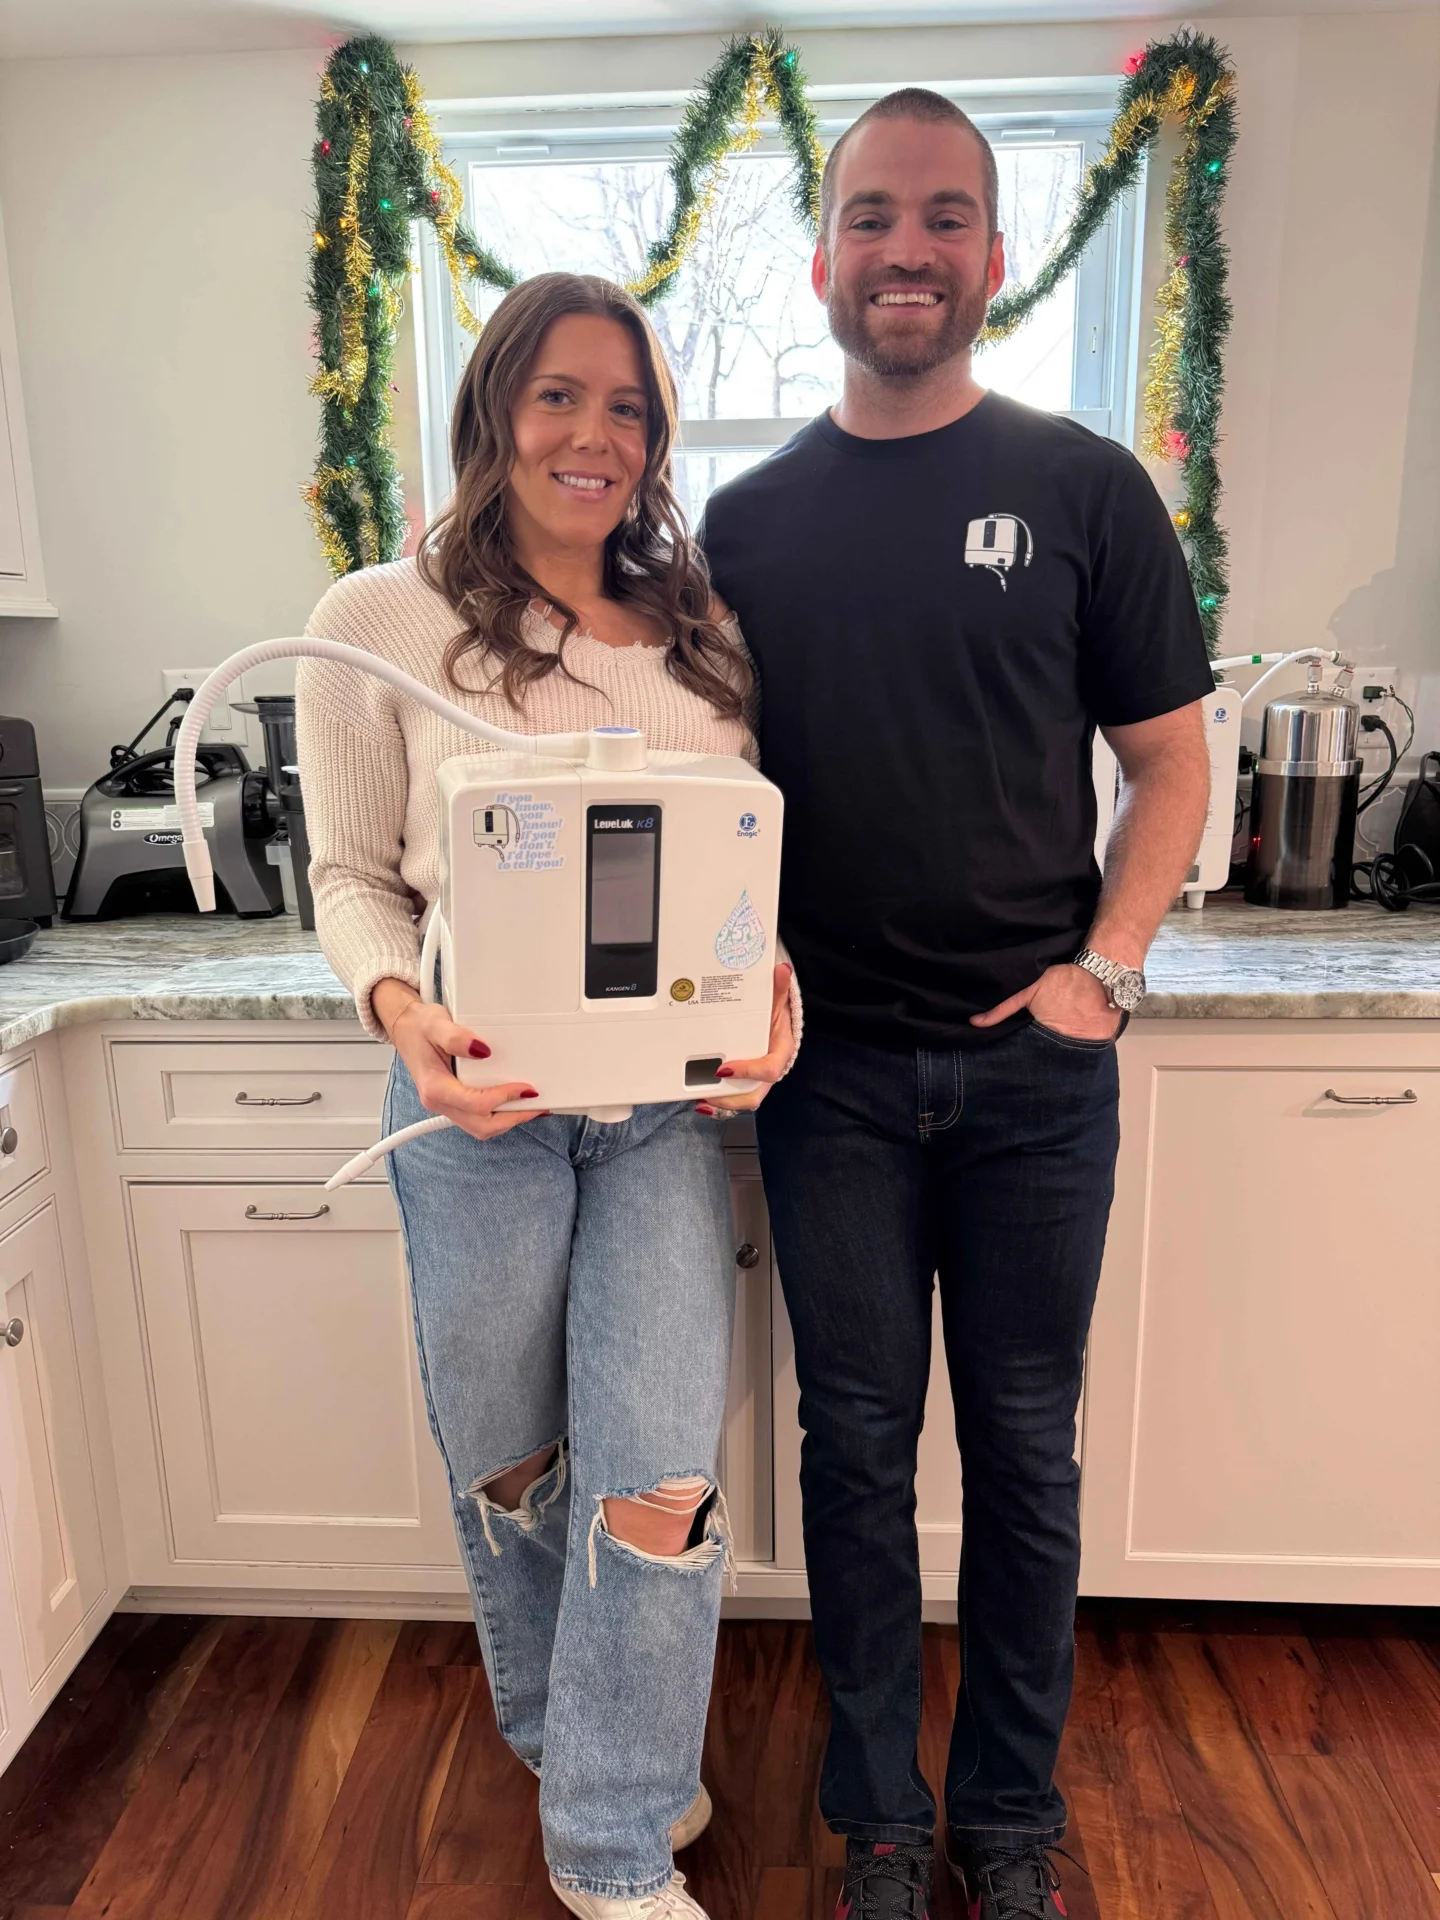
(14, 1332)
(9, 1139)
(747, 1255)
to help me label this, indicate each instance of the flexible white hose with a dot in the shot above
(564, 746)
(363, 1162)
(1248, 660)
(1331, 654)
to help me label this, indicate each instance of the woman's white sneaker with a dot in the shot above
(670, 1903)
(693, 1822)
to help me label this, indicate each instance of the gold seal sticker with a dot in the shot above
(682, 989)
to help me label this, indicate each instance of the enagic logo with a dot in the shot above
(999, 542)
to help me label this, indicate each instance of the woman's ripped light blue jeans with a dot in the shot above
(573, 1286)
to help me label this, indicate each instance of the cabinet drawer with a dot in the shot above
(203, 1097)
(23, 1149)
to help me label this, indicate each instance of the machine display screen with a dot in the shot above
(622, 900)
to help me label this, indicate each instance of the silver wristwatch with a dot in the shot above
(1125, 985)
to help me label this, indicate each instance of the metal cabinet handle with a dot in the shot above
(9, 1139)
(1406, 1099)
(252, 1212)
(276, 1099)
(13, 1332)
(747, 1255)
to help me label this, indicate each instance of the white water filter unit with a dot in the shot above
(606, 919)
(605, 923)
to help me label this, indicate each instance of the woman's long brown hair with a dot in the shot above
(651, 562)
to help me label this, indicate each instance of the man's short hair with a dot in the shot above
(913, 103)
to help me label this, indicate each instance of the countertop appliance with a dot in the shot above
(606, 915)
(276, 714)
(131, 859)
(1303, 802)
(27, 880)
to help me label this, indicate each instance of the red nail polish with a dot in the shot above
(708, 1111)
(528, 1093)
(725, 1073)
(479, 1050)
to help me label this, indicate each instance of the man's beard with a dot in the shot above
(962, 316)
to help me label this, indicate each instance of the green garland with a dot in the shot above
(378, 167)
(1189, 78)
(376, 170)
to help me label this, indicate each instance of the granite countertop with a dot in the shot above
(1224, 962)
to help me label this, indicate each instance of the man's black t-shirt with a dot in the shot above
(939, 623)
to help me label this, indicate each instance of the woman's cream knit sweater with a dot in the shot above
(368, 756)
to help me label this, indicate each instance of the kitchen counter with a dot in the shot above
(168, 967)
(1227, 961)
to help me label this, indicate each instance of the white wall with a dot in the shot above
(155, 214)
(155, 210)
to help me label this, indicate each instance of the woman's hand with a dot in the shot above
(769, 1069)
(427, 1039)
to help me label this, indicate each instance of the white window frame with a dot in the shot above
(564, 130)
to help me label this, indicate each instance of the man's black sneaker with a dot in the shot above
(1009, 1883)
(884, 1881)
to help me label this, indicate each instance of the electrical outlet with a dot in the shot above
(1367, 678)
(224, 723)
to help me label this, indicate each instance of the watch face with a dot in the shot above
(1128, 990)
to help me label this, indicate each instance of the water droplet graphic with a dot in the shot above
(741, 941)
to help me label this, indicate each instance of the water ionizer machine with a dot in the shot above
(606, 917)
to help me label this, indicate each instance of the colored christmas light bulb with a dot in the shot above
(1182, 519)
(1209, 602)
(1213, 166)
(386, 205)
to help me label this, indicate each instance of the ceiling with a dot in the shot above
(42, 28)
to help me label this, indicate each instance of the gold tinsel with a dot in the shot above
(316, 495)
(760, 92)
(450, 206)
(1144, 108)
(1162, 382)
(1162, 385)
(345, 382)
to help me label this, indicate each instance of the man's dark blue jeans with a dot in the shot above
(992, 1167)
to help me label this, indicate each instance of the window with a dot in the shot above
(586, 189)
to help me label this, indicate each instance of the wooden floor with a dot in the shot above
(1220, 1764)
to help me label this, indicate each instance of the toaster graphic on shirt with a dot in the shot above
(998, 542)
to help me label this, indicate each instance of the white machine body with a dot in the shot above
(609, 933)
(1211, 870)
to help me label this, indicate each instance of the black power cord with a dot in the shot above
(122, 756)
(1389, 882)
(1372, 723)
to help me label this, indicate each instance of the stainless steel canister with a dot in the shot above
(1302, 806)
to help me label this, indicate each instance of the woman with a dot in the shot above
(572, 1282)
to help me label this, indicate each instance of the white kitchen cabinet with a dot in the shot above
(292, 1428)
(1264, 1420)
(48, 1507)
(22, 576)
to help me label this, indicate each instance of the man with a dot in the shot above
(945, 593)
